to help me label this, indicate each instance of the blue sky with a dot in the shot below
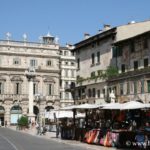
(67, 19)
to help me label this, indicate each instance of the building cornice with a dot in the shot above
(100, 36)
(29, 55)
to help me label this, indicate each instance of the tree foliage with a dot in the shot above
(23, 121)
(111, 71)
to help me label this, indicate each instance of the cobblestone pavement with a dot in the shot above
(52, 136)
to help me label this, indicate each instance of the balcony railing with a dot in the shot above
(29, 44)
(19, 97)
(13, 96)
(52, 97)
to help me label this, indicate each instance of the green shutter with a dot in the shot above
(148, 84)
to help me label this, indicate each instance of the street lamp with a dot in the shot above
(30, 74)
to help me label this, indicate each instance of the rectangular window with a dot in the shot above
(78, 63)
(93, 92)
(93, 59)
(65, 53)
(1, 87)
(49, 89)
(35, 88)
(66, 73)
(72, 73)
(142, 86)
(92, 74)
(72, 63)
(145, 62)
(128, 87)
(79, 93)
(66, 95)
(119, 51)
(123, 68)
(16, 61)
(148, 86)
(114, 49)
(98, 93)
(66, 84)
(145, 43)
(104, 93)
(17, 88)
(98, 57)
(132, 47)
(121, 89)
(135, 65)
(33, 62)
(49, 63)
(135, 87)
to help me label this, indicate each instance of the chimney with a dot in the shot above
(132, 22)
(70, 46)
(107, 27)
(99, 31)
(86, 35)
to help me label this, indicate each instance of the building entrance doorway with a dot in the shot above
(36, 112)
(2, 112)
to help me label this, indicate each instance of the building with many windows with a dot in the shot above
(131, 56)
(15, 58)
(95, 56)
(68, 74)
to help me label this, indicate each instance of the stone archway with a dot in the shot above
(15, 114)
(36, 112)
(47, 112)
(48, 108)
(2, 112)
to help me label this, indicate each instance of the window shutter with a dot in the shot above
(2, 88)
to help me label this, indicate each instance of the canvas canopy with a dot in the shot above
(133, 105)
(114, 106)
(82, 106)
(63, 114)
(125, 106)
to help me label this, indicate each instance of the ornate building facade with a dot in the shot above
(15, 58)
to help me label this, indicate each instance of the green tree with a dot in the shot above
(23, 121)
(111, 71)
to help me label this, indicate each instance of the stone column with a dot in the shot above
(7, 115)
(30, 74)
(31, 114)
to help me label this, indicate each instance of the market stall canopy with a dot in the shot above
(63, 114)
(133, 105)
(114, 106)
(71, 107)
(82, 106)
(147, 105)
(87, 106)
(125, 106)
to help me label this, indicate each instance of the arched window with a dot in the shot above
(16, 113)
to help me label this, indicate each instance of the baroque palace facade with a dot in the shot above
(15, 59)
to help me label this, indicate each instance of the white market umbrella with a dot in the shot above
(71, 107)
(114, 106)
(60, 114)
(147, 105)
(133, 105)
(87, 106)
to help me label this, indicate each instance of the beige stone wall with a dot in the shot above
(9, 70)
